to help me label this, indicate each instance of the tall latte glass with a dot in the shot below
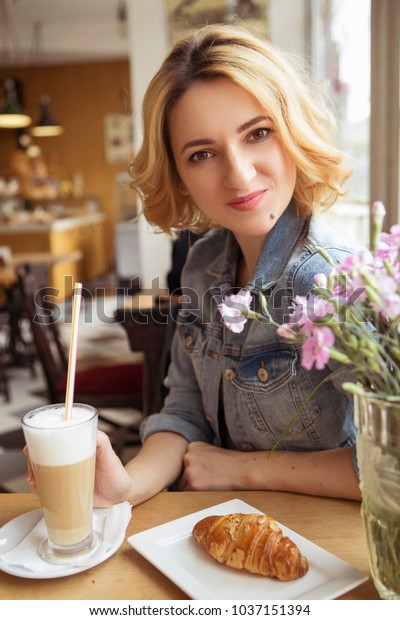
(62, 453)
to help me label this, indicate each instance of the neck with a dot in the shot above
(250, 251)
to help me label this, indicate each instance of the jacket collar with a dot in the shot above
(275, 255)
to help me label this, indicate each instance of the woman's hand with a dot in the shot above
(327, 473)
(209, 468)
(112, 482)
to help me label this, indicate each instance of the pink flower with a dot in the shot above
(232, 308)
(352, 292)
(354, 263)
(285, 331)
(395, 235)
(389, 245)
(378, 212)
(321, 280)
(386, 250)
(322, 308)
(315, 348)
(389, 300)
(311, 309)
(301, 311)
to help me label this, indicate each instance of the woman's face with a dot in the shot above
(229, 158)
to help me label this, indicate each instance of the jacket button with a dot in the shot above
(263, 375)
(246, 447)
(229, 374)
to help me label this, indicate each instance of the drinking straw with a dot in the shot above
(69, 398)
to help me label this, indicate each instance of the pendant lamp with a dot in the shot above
(12, 113)
(46, 126)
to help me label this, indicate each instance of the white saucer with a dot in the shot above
(15, 531)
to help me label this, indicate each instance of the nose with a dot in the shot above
(239, 171)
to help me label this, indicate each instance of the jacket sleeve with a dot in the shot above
(183, 411)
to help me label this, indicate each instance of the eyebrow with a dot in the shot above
(207, 141)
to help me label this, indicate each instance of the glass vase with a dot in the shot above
(378, 456)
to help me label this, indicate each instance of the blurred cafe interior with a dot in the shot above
(72, 75)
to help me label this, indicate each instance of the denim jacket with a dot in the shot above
(256, 374)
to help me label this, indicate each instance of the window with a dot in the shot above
(340, 42)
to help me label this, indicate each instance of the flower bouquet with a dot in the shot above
(352, 315)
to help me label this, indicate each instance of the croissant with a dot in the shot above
(253, 542)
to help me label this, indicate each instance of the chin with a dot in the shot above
(259, 229)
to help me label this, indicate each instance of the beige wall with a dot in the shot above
(81, 95)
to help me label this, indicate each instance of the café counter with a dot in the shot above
(82, 234)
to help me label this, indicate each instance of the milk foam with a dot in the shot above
(53, 441)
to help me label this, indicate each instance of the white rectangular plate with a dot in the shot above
(173, 550)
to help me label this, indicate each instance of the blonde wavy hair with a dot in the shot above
(303, 122)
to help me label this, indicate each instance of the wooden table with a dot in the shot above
(333, 524)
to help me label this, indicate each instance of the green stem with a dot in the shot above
(300, 409)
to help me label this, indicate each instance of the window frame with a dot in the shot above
(385, 107)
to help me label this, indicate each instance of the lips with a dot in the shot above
(245, 203)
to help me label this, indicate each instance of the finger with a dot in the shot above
(31, 475)
(102, 439)
(103, 444)
(31, 480)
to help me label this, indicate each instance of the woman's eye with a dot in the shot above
(260, 134)
(200, 156)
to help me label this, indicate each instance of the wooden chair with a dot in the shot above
(150, 330)
(4, 384)
(116, 390)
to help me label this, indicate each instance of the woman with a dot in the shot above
(237, 145)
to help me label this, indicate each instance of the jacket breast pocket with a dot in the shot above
(267, 371)
(269, 395)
